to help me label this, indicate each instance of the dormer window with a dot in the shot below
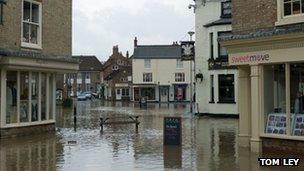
(31, 24)
(226, 9)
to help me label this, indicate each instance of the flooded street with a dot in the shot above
(207, 143)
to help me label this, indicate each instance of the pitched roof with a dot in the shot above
(126, 69)
(89, 63)
(157, 52)
(222, 21)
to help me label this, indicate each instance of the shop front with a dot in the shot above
(28, 94)
(180, 92)
(270, 91)
(144, 91)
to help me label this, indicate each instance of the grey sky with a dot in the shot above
(100, 24)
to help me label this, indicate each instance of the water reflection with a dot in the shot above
(208, 143)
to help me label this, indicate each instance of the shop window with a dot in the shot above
(222, 51)
(31, 24)
(147, 63)
(275, 99)
(51, 95)
(179, 77)
(226, 9)
(35, 95)
(179, 64)
(118, 91)
(180, 92)
(43, 96)
(297, 99)
(24, 97)
(148, 92)
(226, 88)
(147, 77)
(212, 88)
(11, 97)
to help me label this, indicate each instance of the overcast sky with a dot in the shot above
(98, 25)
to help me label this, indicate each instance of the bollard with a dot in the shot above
(101, 124)
(75, 113)
(137, 123)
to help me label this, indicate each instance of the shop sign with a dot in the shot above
(172, 131)
(255, 58)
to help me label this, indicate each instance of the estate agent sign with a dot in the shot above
(172, 131)
(188, 50)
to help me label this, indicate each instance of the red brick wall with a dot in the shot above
(249, 15)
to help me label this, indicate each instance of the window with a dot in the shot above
(226, 88)
(24, 97)
(115, 67)
(147, 77)
(179, 63)
(211, 45)
(226, 9)
(118, 91)
(293, 7)
(88, 75)
(125, 92)
(147, 63)
(52, 93)
(43, 96)
(222, 51)
(179, 77)
(35, 94)
(212, 88)
(31, 24)
(11, 97)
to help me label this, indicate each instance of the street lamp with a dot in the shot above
(2, 2)
(191, 33)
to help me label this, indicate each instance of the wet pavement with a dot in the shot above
(207, 143)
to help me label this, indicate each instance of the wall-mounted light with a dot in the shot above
(2, 2)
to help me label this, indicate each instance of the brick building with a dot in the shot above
(267, 46)
(35, 45)
(88, 78)
(116, 70)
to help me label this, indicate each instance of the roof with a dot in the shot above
(266, 32)
(157, 52)
(36, 55)
(126, 69)
(222, 21)
(89, 63)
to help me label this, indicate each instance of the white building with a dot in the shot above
(216, 93)
(159, 74)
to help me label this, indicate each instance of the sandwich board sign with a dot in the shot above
(172, 131)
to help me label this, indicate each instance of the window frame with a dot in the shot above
(225, 99)
(286, 20)
(219, 45)
(147, 63)
(180, 77)
(39, 34)
(179, 64)
(146, 80)
(222, 9)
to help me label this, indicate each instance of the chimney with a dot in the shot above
(127, 54)
(115, 49)
(135, 42)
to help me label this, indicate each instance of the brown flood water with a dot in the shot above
(208, 143)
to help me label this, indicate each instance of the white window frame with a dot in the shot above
(285, 20)
(146, 80)
(179, 64)
(180, 77)
(39, 35)
(147, 63)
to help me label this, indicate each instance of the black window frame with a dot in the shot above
(211, 89)
(226, 99)
(222, 9)
(211, 39)
(219, 45)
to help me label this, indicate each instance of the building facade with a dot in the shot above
(88, 78)
(117, 74)
(216, 92)
(268, 49)
(159, 74)
(35, 45)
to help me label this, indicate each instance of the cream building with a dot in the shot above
(216, 92)
(159, 74)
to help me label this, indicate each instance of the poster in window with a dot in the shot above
(276, 123)
(298, 125)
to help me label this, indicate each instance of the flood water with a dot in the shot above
(207, 143)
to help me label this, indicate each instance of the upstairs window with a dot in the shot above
(179, 77)
(226, 9)
(293, 7)
(222, 51)
(147, 77)
(31, 24)
(147, 63)
(179, 64)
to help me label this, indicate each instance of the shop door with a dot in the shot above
(118, 94)
(164, 94)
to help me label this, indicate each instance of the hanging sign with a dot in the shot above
(188, 50)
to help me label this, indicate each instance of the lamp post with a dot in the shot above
(191, 33)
